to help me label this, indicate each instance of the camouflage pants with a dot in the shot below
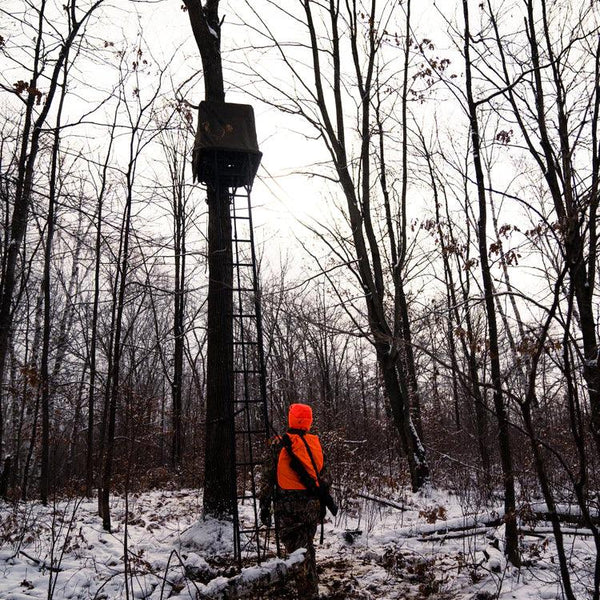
(297, 519)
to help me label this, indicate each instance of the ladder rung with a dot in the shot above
(250, 431)
(249, 401)
(240, 264)
(239, 217)
(245, 343)
(241, 240)
(243, 315)
(235, 289)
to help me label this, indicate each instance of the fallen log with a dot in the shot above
(474, 524)
(566, 514)
(466, 523)
(253, 581)
(440, 536)
(543, 532)
(566, 517)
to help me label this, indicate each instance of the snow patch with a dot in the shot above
(210, 537)
(212, 31)
(398, 552)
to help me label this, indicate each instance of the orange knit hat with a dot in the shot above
(300, 416)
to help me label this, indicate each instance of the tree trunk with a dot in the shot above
(120, 284)
(178, 315)
(219, 462)
(397, 393)
(46, 287)
(512, 539)
(89, 462)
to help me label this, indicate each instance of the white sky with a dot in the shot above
(282, 197)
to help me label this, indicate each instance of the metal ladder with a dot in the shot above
(251, 425)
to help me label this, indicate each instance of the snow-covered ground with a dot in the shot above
(371, 551)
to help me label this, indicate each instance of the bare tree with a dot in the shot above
(139, 115)
(33, 123)
(46, 287)
(175, 145)
(461, 332)
(554, 101)
(512, 539)
(323, 96)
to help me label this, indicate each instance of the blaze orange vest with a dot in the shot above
(287, 479)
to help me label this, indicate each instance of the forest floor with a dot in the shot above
(370, 551)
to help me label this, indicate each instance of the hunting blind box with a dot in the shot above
(226, 150)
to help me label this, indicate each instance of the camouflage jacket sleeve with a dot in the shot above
(268, 473)
(325, 477)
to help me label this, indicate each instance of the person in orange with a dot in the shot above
(292, 482)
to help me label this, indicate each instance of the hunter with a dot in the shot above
(295, 482)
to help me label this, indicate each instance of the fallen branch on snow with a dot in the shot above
(40, 563)
(565, 515)
(384, 501)
(377, 499)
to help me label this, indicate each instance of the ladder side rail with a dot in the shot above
(259, 327)
(235, 350)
